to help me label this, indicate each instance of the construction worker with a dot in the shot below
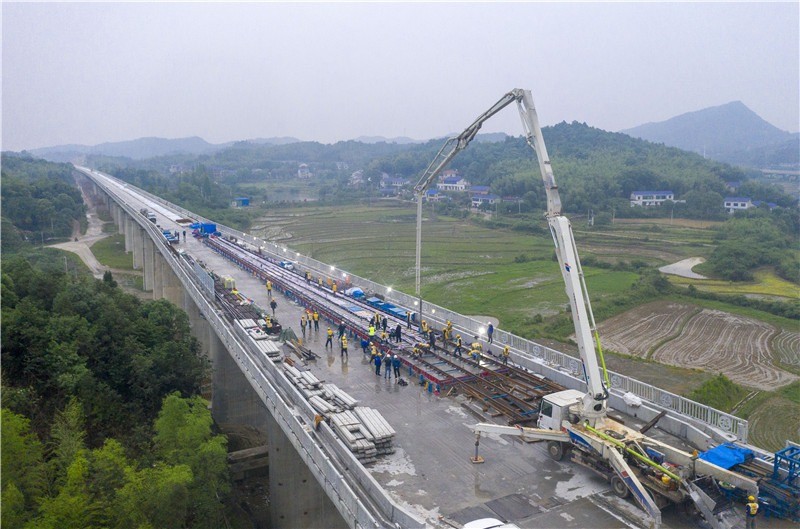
(506, 351)
(457, 352)
(432, 340)
(408, 319)
(378, 364)
(329, 341)
(344, 345)
(751, 509)
(384, 337)
(333, 288)
(396, 365)
(315, 317)
(269, 288)
(424, 327)
(303, 322)
(342, 328)
(364, 345)
(308, 277)
(377, 320)
(490, 332)
(387, 368)
(320, 281)
(371, 332)
(273, 305)
(373, 352)
(384, 323)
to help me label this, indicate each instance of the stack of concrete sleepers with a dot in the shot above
(381, 431)
(259, 337)
(308, 384)
(352, 432)
(364, 430)
(271, 349)
(246, 323)
(339, 397)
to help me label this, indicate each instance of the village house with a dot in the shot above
(651, 198)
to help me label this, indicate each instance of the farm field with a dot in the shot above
(766, 283)
(684, 335)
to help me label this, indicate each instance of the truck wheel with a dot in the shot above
(619, 487)
(556, 450)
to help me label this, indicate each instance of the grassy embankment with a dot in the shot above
(110, 252)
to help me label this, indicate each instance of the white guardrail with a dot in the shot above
(531, 355)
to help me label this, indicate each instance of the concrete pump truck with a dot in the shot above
(575, 423)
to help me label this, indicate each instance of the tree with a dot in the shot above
(184, 437)
(22, 470)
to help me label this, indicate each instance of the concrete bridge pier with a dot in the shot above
(148, 264)
(158, 274)
(138, 246)
(128, 224)
(296, 499)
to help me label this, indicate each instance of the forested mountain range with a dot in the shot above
(730, 133)
(594, 168)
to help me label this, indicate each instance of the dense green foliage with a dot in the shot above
(95, 432)
(40, 199)
(757, 238)
(66, 337)
(73, 486)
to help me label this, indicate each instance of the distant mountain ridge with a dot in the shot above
(729, 133)
(142, 148)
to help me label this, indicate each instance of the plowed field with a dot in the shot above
(636, 332)
(718, 342)
(787, 348)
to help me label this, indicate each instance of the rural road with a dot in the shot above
(684, 268)
(81, 247)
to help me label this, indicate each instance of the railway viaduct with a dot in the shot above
(314, 480)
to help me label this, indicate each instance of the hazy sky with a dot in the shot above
(94, 72)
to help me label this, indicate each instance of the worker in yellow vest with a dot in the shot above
(371, 332)
(269, 288)
(751, 509)
(506, 351)
(329, 341)
(315, 317)
(424, 327)
(457, 351)
(333, 287)
(344, 345)
(373, 352)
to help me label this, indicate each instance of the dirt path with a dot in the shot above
(684, 268)
(81, 243)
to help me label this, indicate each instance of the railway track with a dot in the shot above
(509, 390)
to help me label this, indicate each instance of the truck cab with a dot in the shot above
(555, 408)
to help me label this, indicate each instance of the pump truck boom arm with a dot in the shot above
(451, 147)
(594, 403)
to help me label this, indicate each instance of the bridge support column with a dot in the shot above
(129, 223)
(158, 274)
(173, 288)
(138, 246)
(296, 499)
(197, 323)
(148, 262)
